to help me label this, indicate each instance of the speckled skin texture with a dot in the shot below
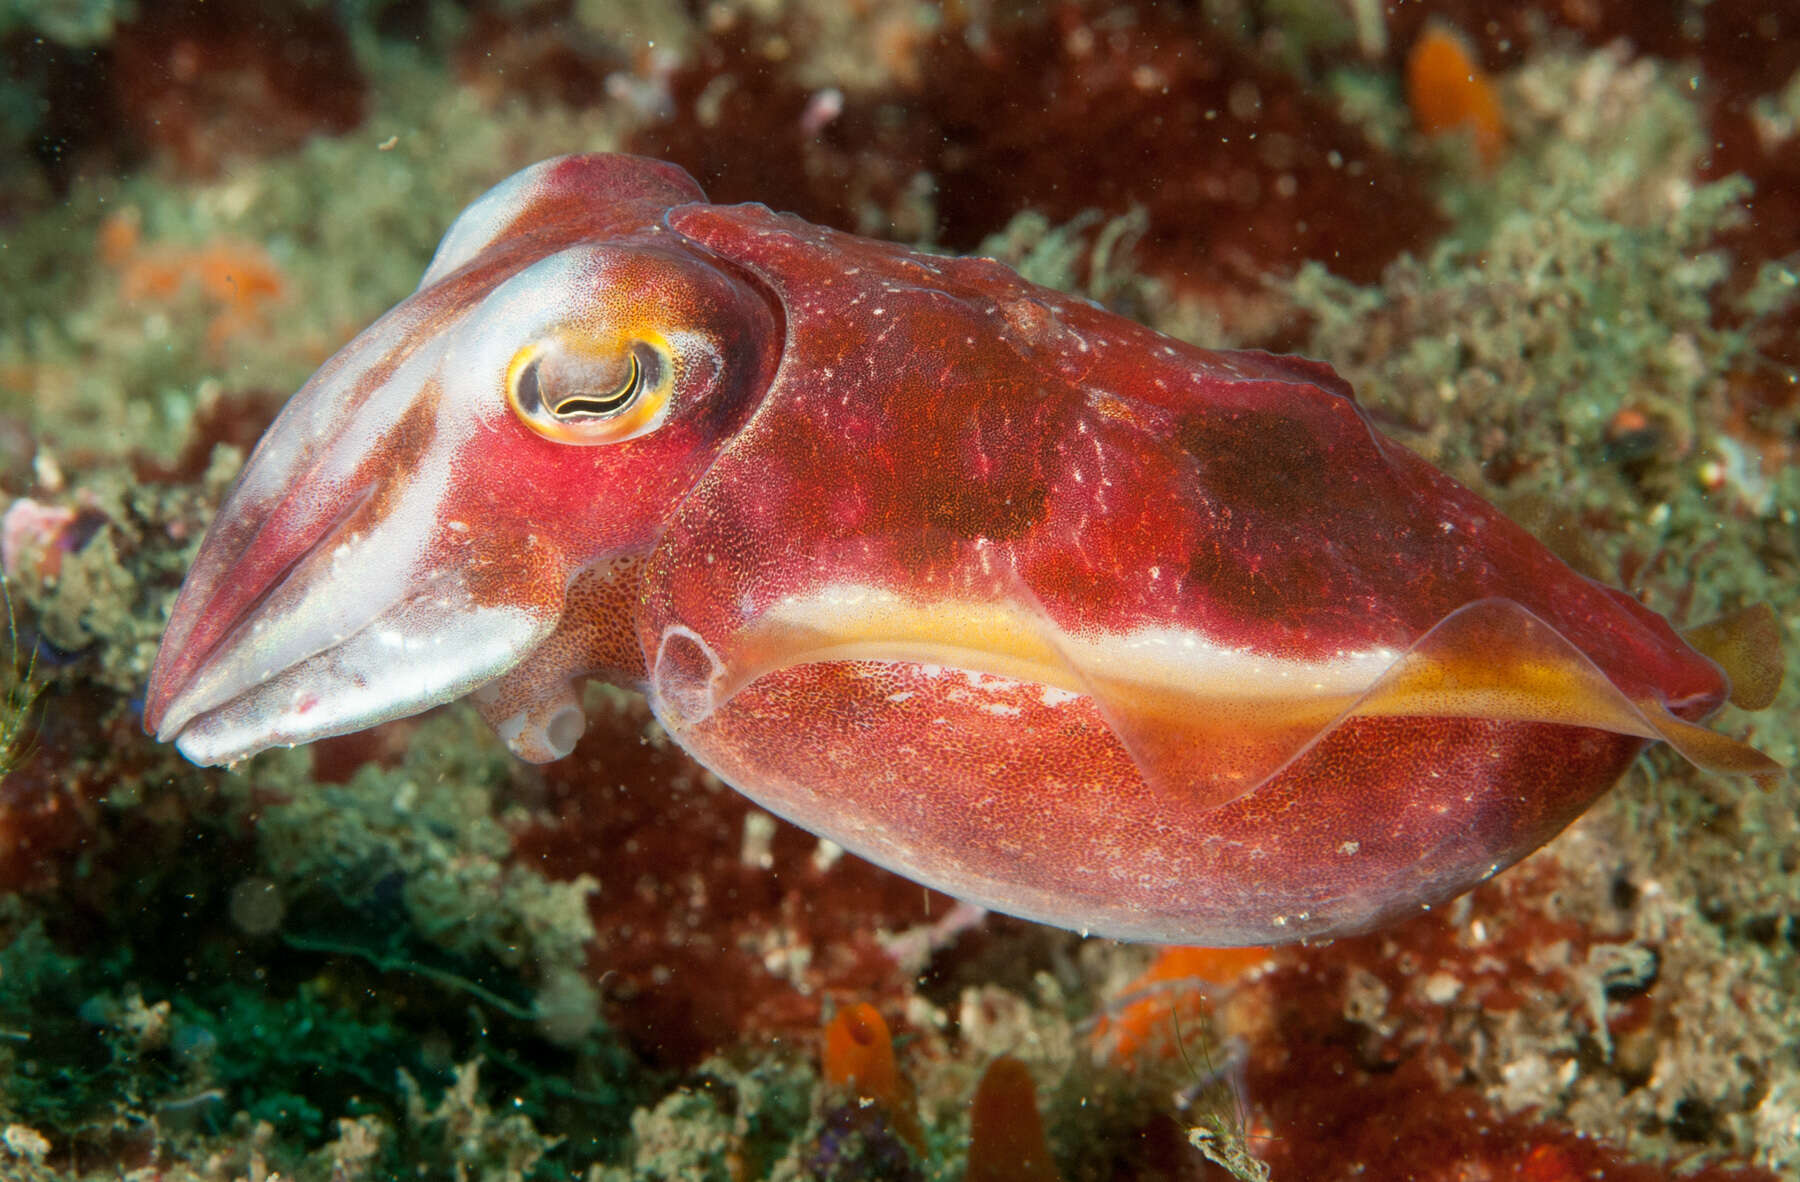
(929, 411)
(985, 583)
(1020, 445)
(1048, 817)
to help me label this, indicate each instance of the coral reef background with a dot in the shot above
(1554, 245)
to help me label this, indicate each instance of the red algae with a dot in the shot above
(237, 419)
(203, 83)
(1358, 1065)
(530, 51)
(712, 926)
(1241, 171)
(56, 832)
(1401, 1124)
(44, 821)
(737, 125)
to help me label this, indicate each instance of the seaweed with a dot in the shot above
(171, 1014)
(18, 688)
(615, 964)
(1239, 169)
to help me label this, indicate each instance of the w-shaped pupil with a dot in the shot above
(586, 403)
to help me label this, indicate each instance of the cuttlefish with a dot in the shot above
(982, 582)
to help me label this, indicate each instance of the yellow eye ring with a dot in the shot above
(571, 392)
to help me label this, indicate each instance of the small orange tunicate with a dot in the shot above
(1448, 92)
(1006, 1134)
(859, 1053)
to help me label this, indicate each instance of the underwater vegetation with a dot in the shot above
(18, 690)
(403, 950)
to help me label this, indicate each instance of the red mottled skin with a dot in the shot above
(1382, 817)
(985, 583)
(939, 407)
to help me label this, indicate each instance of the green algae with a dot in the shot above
(752, 1113)
(429, 826)
(192, 1022)
(1578, 281)
(347, 223)
(264, 965)
(18, 687)
(78, 23)
(1087, 256)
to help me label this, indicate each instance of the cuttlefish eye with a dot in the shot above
(575, 389)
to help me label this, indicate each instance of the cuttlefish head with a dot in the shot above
(409, 528)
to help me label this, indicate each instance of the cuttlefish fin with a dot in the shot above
(1746, 644)
(1203, 726)
(1191, 736)
(1203, 743)
(1495, 659)
(1207, 742)
(1713, 752)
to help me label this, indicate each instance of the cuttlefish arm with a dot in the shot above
(410, 528)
